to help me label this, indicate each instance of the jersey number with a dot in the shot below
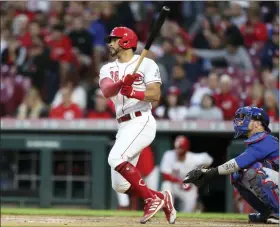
(115, 75)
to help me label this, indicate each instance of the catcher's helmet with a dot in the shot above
(128, 38)
(244, 115)
(182, 142)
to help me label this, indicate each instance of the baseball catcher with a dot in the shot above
(255, 172)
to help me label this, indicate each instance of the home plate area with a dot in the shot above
(58, 221)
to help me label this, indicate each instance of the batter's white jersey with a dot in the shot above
(171, 165)
(116, 70)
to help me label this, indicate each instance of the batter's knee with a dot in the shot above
(122, 188)
(114, 161)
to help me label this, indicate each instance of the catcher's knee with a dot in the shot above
(235, 177)
(122, 188)
(254, 174)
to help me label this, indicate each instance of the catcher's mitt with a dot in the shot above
(200, 176)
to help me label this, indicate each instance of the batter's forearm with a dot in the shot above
(228, 168)
(109, 88)
(151, 96)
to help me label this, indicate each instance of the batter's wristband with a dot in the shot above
(140, 95)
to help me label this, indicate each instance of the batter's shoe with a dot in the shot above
(168, 208)
(152, 206)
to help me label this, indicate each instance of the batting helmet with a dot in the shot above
(128, 38)
(182, 142)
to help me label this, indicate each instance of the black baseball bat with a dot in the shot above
(162, 16)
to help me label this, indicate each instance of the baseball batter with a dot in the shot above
(132, 96)
(175, 165)
(255, 172)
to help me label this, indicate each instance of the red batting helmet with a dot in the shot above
(128, 38)
(182, 142)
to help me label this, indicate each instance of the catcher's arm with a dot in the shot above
(201, 176)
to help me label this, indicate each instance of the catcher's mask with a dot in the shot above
(244, 115)
(128, 38)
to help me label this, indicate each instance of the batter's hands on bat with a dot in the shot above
(129, 79)
(127, 90)
(200, 176)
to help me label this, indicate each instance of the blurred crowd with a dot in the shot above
(213, 57)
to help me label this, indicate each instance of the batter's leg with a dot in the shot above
(123, 199)
(134, 136)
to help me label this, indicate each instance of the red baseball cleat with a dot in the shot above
(152, 206)
(168, 208)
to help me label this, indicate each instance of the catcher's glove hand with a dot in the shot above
(200, 176)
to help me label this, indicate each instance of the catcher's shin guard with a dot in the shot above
(253, 200)
(259, 190)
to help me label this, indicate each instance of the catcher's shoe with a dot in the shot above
(152, 206)
(256, 218)
(273, 219)
(168, 208)
(259, 218)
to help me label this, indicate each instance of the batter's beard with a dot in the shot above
(113, 52)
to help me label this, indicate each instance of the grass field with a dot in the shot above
(37, 217)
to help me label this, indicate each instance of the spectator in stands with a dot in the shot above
(37, 64)
(179, 79)
(82, 42)
(203, 37)
(78, 93)
(14, 55)
(32, 106)
(206, 111)
(237, 12)
(225, 99)
(270, 49)
(174, 108)
(112, 18)
(61, 49)
(76, 9)
(33, 29)
(210, 87)
(101, 110)
(234, 54)
(254, 95)
(67, 110)
(5, 35)
(275, 68)
(254, 31)
(98, 31)
(168, 59)
(270, 82)
(19, 25)
(271, 106)
(210, 15)
(12, 90)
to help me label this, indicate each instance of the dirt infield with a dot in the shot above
(59, 221)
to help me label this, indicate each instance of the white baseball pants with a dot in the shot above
(132, 137)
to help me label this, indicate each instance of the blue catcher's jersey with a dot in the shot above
(262, 147)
